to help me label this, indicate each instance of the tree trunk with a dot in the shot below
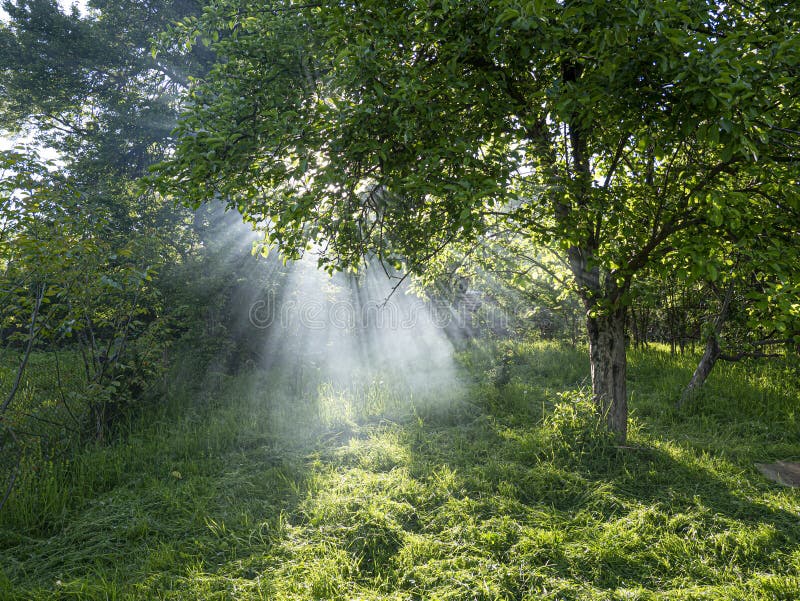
(707, 362)
(609, 366)
(634, 327)
(605, 325)
(711, 353)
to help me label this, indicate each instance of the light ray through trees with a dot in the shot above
(342, 347)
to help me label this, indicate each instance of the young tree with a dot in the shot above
(88, 87)
(616, 132)
(756, 303)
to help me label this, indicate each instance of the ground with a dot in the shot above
(505, 491)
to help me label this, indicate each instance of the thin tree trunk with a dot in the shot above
(711, 353)
(645, 327)
(707, 362)
(634, 327)
(609, 369)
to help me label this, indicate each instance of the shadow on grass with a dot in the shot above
(656, 516)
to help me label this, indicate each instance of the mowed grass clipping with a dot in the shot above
(512, 491)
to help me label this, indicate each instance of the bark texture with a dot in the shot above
(609, 370)
(704, 367)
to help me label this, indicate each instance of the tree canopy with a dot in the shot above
(624, 134)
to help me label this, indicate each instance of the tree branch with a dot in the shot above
(31, 338)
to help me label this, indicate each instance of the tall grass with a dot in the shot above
(263, 487)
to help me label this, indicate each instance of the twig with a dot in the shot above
(61, 391)
(24, 364)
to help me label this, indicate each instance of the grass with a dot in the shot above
(39, 394)
(258, 489)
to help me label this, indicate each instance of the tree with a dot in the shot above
(79, 242)
(89, 86)
(756, 296)
(618, 133)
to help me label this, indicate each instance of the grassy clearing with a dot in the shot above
(266, 491)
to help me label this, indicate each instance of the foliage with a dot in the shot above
(374, 111)
(85, 254)
(84, 294)
(527, 283)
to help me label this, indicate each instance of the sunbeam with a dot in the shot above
(335, 348)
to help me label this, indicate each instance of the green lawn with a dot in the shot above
(258, 490)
